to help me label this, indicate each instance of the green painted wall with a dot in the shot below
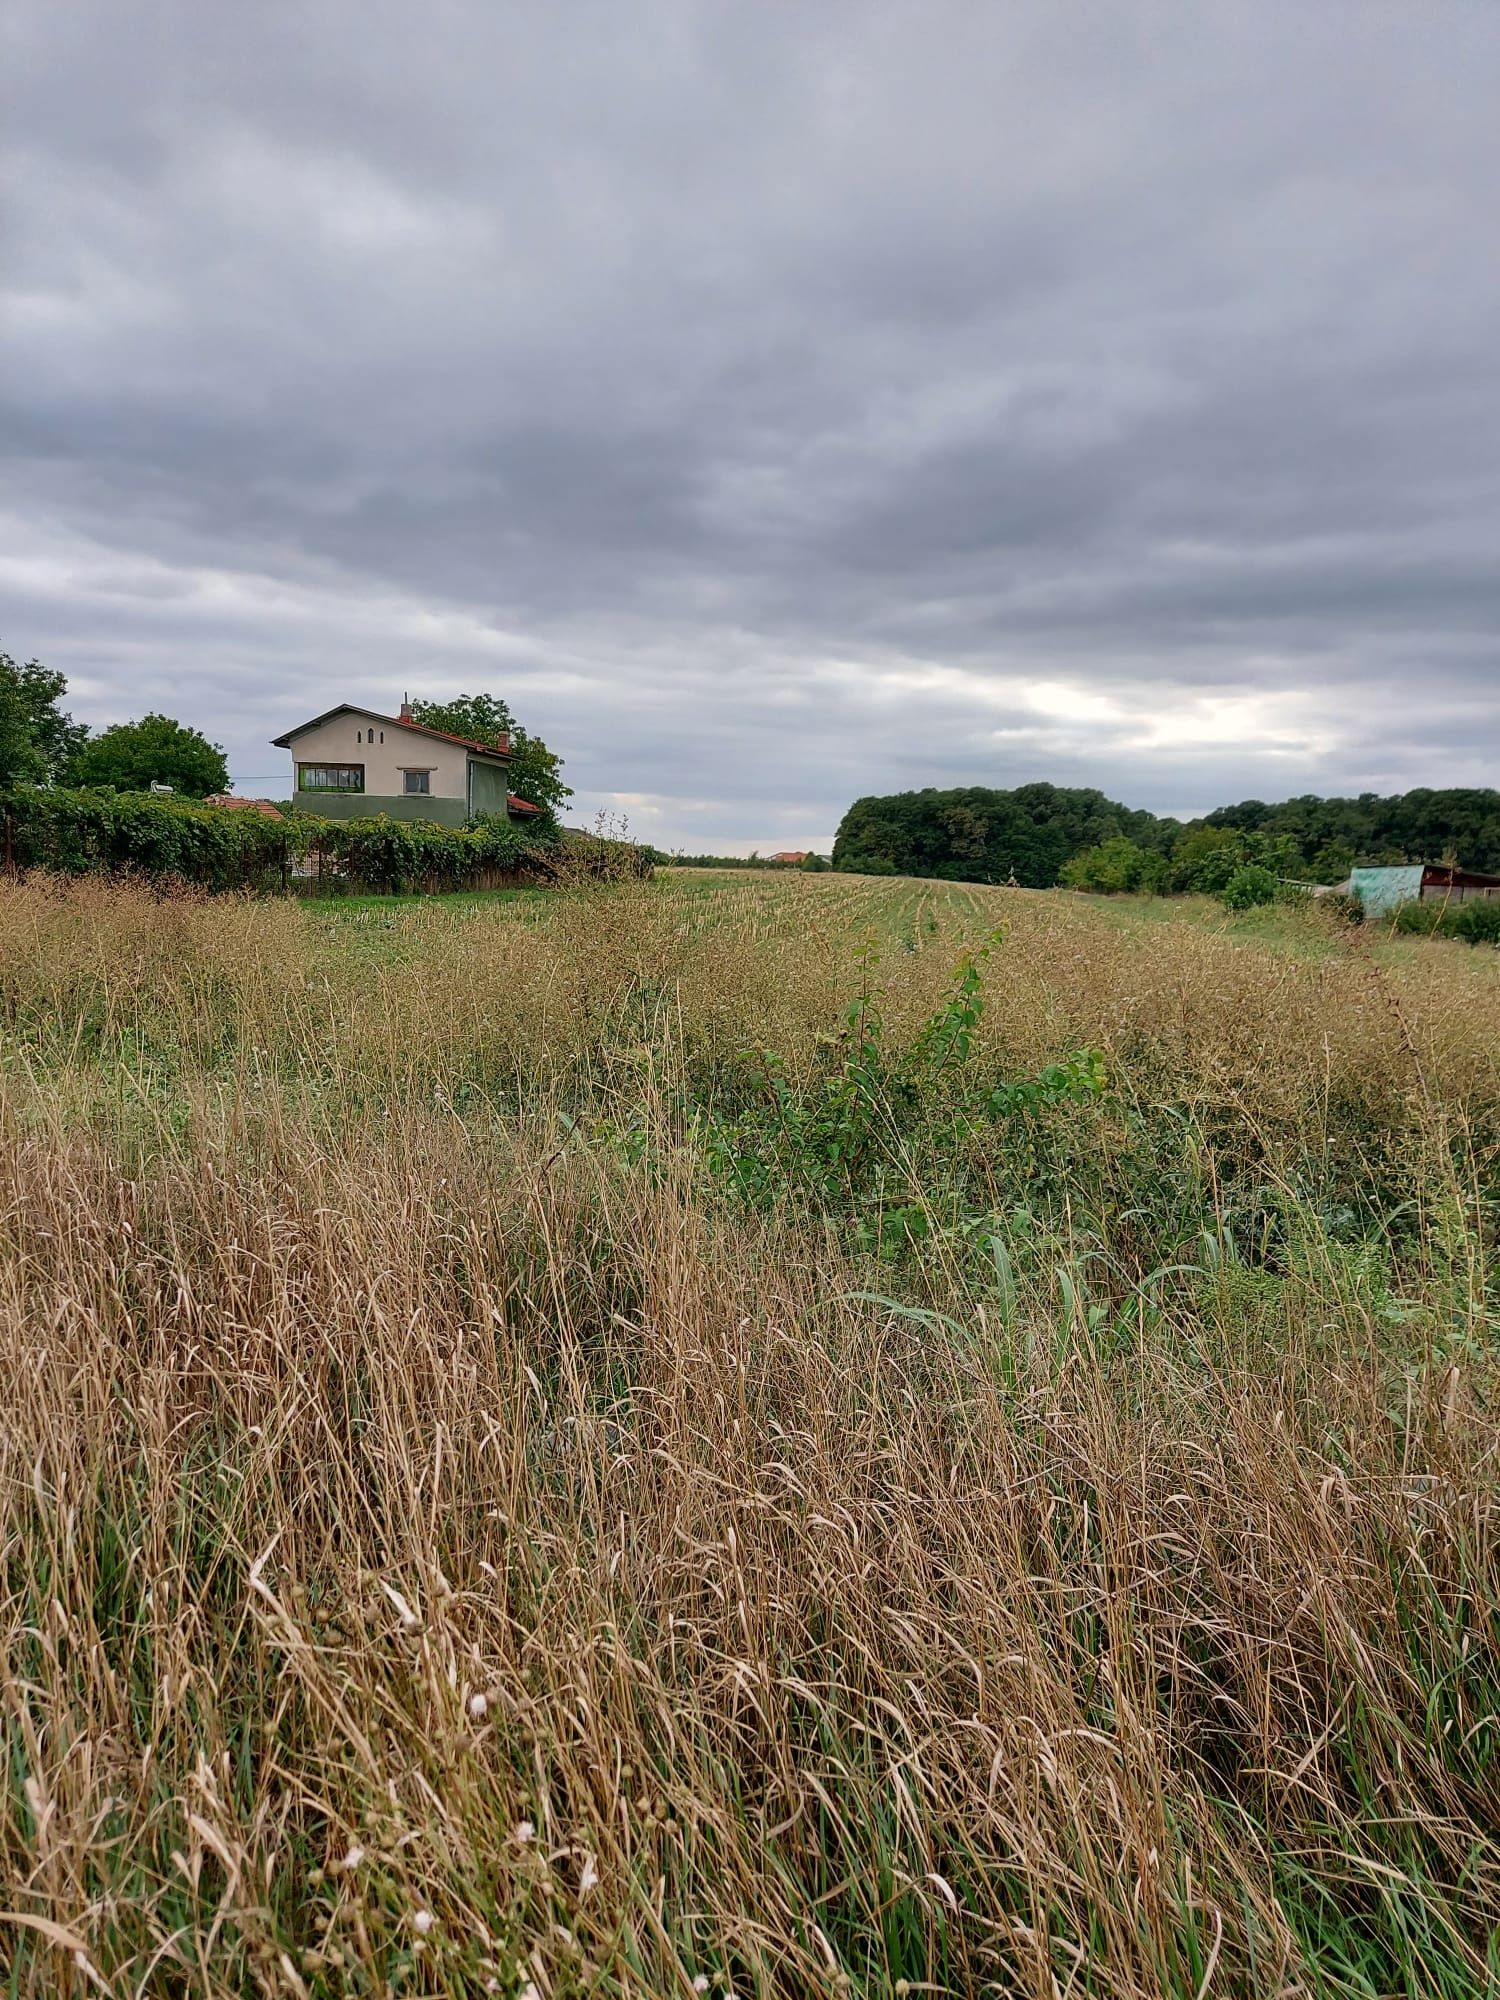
(1382, 890)
(488, 787)
(367, 805)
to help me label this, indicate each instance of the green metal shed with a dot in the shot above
(1383, 890)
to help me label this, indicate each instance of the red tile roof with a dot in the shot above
(234, 804)
(444, 736)
(520, 805)
(394, 722)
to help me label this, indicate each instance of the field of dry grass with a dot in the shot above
(706, 1437)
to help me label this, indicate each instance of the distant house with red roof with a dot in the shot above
(228, 799)
(792, 859)
(351, 761)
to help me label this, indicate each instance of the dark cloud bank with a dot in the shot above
(777, 404)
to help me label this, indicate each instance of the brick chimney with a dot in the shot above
(405, 710)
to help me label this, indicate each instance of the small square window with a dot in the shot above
(419, 781)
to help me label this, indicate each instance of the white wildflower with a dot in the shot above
(589, 1879)
(422, 1922)
(478, 1706)
(524, 1834)
(353, 1858)
(700, 1984)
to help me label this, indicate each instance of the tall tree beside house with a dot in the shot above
(37, 740)
(535, 771)
(133, 756)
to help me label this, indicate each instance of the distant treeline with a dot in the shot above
(1039, 835)
(810, 864)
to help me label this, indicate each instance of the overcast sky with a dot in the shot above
(775, 403)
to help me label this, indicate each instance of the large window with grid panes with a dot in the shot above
(330, 777)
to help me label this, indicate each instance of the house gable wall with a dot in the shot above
(344, 739)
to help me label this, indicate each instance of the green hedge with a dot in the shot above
(219, 847)
(1475, 923)
(73, 832)
(395, 856)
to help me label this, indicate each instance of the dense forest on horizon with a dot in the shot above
(1031, 834)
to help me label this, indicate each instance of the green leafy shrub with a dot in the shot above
(1418, 919)
(1478, 922)
(1474, 923)
(1250, 887)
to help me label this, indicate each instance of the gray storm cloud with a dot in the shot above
(776, 404)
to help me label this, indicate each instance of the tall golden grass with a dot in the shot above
(451, 1546)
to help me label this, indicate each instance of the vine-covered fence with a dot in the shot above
(219, 847)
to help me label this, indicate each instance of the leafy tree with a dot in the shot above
(1420, 825)
(979, 835)
(535, 771)
(1115, 867)
(133, 756)
(1332, 862)
(483, 718)
(968, 834)
(1205, 857)
(37, 740)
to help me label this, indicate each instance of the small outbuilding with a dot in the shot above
(1382, 891)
